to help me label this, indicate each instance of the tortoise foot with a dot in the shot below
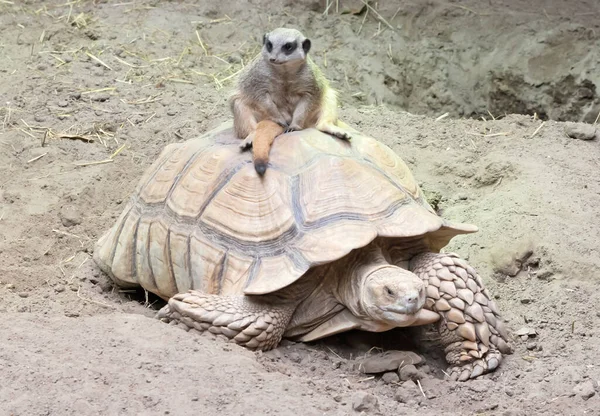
(468, 366)
(471, 329)
(252, 324)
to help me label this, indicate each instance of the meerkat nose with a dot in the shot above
(272, 59)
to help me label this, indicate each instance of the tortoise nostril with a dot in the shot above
(412, 297)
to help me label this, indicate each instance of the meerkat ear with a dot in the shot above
(306, 45)
(265, 36)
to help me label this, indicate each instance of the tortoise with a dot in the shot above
(335, 236)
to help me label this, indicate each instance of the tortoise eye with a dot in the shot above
(389, 291)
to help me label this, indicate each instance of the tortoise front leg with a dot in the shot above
(471, 329)
(254, 324)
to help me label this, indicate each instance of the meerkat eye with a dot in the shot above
(269, 46)
(289, 47)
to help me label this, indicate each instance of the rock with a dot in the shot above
(531, 346)
(390, 378)
(585, 389)
(408, 393)
(23, 294)
(581, 131)
(409, 372)
(70, 216)
(526, 331)
(100, 97)
(363, 401)
(389, 361)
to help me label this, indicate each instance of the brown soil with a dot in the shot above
(135, 74)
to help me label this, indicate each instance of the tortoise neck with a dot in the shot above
(352, 277)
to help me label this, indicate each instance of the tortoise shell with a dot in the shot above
(202, 218)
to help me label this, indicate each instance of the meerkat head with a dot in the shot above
(285, 47)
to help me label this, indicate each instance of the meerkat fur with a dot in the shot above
(284, 85)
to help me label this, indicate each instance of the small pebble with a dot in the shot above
(586, 389)
(23, 294)
(531, 346)
(171, 112)
(363, 401)
(408, 393)
(70, 216)
(100, 97)
(390, 378)
(581, 131)
(410, 372)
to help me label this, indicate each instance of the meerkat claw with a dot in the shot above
(336, 132)
(247, 143)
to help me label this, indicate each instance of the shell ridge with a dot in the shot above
(169, 258)
(222, 180)
(252, 273)
(117, 236)
(151, 276)
(134, 270)
(185, 169)
(145, 183)
(188, 259)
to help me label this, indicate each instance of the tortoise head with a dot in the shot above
(392, 295)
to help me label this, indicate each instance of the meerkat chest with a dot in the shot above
(287, 94)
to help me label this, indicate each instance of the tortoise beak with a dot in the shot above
(410, 303)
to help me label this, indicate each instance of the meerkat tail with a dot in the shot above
(266, 132)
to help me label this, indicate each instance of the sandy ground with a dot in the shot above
(114, 82)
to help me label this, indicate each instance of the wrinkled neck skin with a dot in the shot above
(351, 279)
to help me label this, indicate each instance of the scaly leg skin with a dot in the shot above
(252, 324)
(471, 329)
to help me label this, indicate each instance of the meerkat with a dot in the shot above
(284, 85)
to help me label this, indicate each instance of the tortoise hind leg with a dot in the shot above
(251, 323)
(471, 329)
